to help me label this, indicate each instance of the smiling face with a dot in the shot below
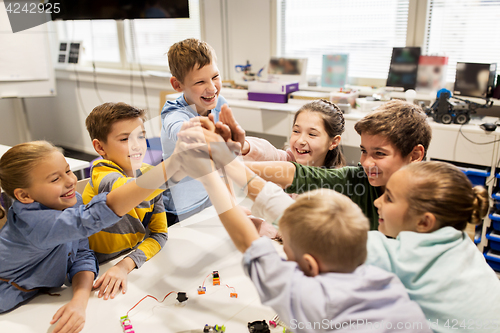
(201, 87)
(380, 159)
(393, 206)
(309, 141)
(126, 145)
(53, 184)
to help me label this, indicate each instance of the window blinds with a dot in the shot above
(465, 31)
(365, 29)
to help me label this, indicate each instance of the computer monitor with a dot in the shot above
(475, 79)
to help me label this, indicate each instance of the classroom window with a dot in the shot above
(98, 37)
(365, 29)
(148, 41)
(463, 30)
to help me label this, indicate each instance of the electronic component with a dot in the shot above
(182, 297)
(214, 329)
(216, 278)
(201, 290)
(126, 325)
(258, 327)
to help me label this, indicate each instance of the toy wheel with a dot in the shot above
(462, 118)
(446, 118)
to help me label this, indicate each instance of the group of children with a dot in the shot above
(415, 271)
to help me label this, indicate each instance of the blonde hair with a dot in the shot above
(329, 226)
(334, 123)
(404, 124)
(183, 56)
(445, 191)
(18, 162)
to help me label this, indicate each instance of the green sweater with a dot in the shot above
(350, 181)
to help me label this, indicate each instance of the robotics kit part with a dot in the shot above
(449, 109)
(258, 327)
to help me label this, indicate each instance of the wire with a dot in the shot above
(152, 298)
(203, 285)
(133, 38)
(79, 94)
(93, 62)
(476, 143)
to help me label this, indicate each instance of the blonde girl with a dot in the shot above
(315, 138)
(426, 207)
(47, 228)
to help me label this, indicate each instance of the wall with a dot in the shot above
(61, 119)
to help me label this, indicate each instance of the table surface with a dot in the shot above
(195, 248)
(74, 164)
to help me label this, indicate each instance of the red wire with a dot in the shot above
(203, 285)
(151, 297)
(231, 288)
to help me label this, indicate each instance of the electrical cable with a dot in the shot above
(133, 38)
(476, 143)
(79, 94)
(93, 62)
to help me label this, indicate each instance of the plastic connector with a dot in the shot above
(182, 297)
(201, 290)
(214, 329)
(216, 278)
(233, 295)
(126, 325)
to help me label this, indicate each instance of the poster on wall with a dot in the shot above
(334, 73)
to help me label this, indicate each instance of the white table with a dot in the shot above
(74, 164)
(195, 248)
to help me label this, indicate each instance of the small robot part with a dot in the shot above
(182, 297)
(258, 327)
(216, 278)
(214, 329)
(201, 290)
(126, 325)
(449, 109)
(233, 295)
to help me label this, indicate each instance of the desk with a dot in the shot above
(195, 248)
(74, 164)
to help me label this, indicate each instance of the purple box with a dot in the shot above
(273, 98)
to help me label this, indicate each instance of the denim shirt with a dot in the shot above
(41, 247)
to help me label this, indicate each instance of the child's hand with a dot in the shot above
(199, 143)
(237, 132)
(71, 317)
(114, 279)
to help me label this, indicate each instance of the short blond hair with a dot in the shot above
(183, 56)
(18, 162)
(328, 226)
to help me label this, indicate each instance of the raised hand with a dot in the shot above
(237, 132)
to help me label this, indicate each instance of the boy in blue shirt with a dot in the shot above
(194, 73)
